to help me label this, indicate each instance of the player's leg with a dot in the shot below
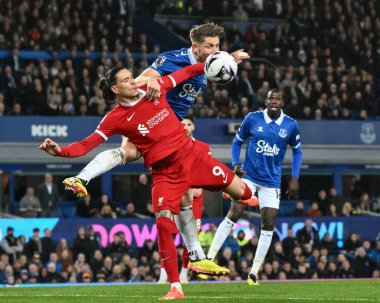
(102, 163)
(185, 263)
(224, 229)
(168, 252)
(269, 205)
(166, 197)
(187, 226)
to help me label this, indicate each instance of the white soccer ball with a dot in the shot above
(220, 67)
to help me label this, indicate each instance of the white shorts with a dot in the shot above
(268, 197)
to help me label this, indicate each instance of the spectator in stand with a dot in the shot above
(314, 210)
(352, 243)
(332, 212)
(105, 271)
(29, 205)
(85, 207)
(119, 247)
(335, 199)
(289, 242)
(323, 201)
(298, 209)
(48, 196)
(48, 246)
(54, 259)
(364, 203)
(130, 211)
(142, 194)
(308, 234)
(328, 243)
(363, 266)
(106, 208)
(10, 245)
(82, 244)
(348, 210)
(35, 244)
(62, 246)
(97, 261)
(374, 253)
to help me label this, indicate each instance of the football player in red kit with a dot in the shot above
(196, 206)
(178, 162)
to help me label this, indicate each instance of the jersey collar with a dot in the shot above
(269, 120)
(191, 55)
(142, 92)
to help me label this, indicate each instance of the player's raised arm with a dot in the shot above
(172, 80)
(73, 150)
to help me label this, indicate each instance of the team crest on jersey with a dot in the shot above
(282, 133)
(159, 61)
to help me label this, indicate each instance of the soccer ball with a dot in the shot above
(220, 67)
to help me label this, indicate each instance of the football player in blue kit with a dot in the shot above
(205, 40)
(267, 134)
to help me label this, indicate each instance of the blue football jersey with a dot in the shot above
(266, 146)
(183, 96)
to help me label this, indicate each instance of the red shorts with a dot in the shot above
(193, 167)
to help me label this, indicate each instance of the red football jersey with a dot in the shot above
(151, 125)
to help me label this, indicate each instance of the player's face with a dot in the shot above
(188, 126)
(207, 47)
(274, 104)
(125, 86)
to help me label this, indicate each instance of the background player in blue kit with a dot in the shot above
(267, 135)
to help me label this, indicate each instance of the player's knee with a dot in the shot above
(120, 153)
(130, 152)
(164, 224)
(187, 199)
(236, 211)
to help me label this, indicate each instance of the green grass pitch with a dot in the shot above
(314, 291)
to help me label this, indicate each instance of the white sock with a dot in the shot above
(183, 272)
(188, 229)
(102, 163)
(163, 275)
(221, 235)
(262, 249)
(176, 285)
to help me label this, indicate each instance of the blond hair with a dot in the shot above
(198, 33)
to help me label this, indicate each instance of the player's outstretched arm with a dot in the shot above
(51, 147)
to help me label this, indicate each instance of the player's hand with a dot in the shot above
(153, 89)
(292, 188)
(239, 171)
(240, 55)
(51, 147)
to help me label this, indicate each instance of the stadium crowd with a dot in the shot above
(300, 256)
(327, 66)
(327, 202)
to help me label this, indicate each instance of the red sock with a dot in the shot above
(166, 247)
(185, 257)
(247, 193)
